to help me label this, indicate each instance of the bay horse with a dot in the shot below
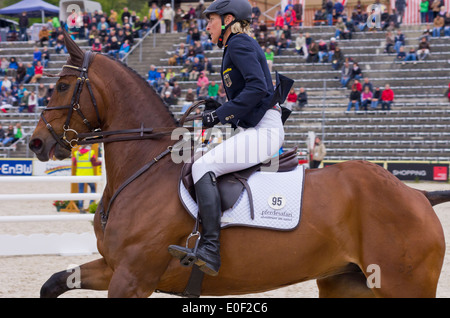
(355, 215)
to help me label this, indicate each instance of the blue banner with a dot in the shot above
(10, 167)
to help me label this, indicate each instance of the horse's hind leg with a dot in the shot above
(346, 285)
(94, 275)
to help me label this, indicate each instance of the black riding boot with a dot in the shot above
(207, 256)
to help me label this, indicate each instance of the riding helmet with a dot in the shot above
(240, 9)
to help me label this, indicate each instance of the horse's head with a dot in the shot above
(71, 110)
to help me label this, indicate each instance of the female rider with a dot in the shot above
(252, 107)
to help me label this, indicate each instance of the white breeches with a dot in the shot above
(245, 149)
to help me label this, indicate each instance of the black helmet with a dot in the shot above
(240, 9)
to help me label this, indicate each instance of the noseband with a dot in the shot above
(75, 106)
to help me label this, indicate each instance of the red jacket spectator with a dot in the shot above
(387, 94)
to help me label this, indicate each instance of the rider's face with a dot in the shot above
(214, 27)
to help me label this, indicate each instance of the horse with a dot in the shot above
(357, 218)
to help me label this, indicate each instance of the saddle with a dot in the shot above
(231, 185)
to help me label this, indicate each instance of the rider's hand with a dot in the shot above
(211, 104)
(209, 119)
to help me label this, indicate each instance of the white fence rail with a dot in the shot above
(45, 244)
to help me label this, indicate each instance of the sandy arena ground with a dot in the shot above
(23, 276)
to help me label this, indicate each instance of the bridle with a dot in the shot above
(96, 135)
(75, 106)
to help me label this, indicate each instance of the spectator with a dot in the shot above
(317, 153)
(203, 92)
(438, 25)
(401, 55)
(355, 97)
(302, 98)
(424, 49)
(155, 15)
(49, 94)
(45, 57)
(291, 99)
(201, 20)
(313, 52)
(23, 25)
(256, 12)
(32, 102)
(221, 94)
(423, 11)
(366, 98)
(29, 74)
(23, 103)
(4, 66)
(329, 11)
(176, 92)
(42, 93)
(411, 56)
(197, 67)
(60, 45)
(400, 6)
(9, 136)
(186, 70)
(124, 49)
(207, 66)
(399, 40)
(98, 47)
(346, 74)
(282, 43)
(435, 7)
(337, 59)
(367, 83)
(202, 81)
(2, 134)
(153, 75)
(44, 35)
(390, 41)
(357, 85)
(376, 98)
(213, 90)
(448, 93)
(12, 68)
(342, 30)
(356, 71)
(38, 72)
(323, 50)
(387, 98)
(37, 55)
(165, 89)
(279, 21)
(447, 24)
(300, 44)
(21, 72)
(269, 57)
(168, 15)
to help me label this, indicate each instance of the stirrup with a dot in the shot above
(191, 258)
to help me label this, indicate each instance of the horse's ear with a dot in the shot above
(76, 54)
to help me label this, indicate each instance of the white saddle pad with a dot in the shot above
(277, 201)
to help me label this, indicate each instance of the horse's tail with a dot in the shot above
(437, 197)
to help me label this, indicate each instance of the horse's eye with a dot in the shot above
(62, 87)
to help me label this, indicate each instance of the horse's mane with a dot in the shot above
(139, 76)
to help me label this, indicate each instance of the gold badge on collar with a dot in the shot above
(227, 80)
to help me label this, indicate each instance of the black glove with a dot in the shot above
(211, 104)
(209, 119)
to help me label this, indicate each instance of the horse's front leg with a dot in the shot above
(94, 275)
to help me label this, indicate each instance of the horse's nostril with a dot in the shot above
(36, 144)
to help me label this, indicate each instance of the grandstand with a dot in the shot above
(417, 127)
